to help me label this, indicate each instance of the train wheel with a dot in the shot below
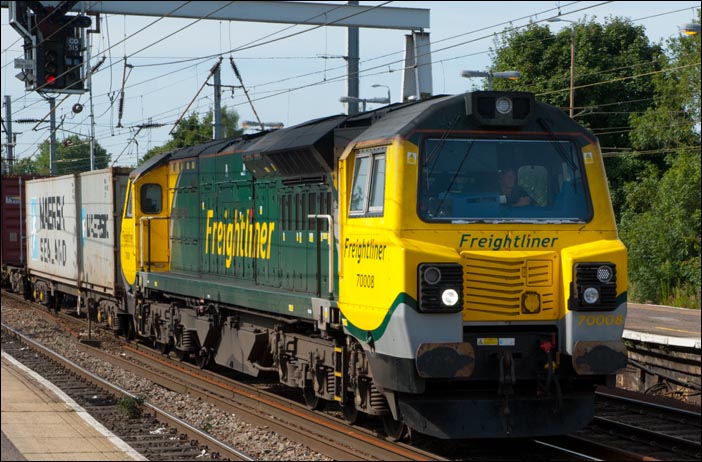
(165, 348)
(311, 400)
(351, 414)
(203, 358)
(183, 355)
(129, 331)
(394, 429)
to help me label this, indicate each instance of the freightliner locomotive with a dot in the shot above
(449, 265)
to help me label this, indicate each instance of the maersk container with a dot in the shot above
(73, 225)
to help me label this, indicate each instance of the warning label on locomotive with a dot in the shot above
(493, 341)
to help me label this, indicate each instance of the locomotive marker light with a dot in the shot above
(441, 287)
(596, 285)
(604, 274)
(432, 275)
(500, 109)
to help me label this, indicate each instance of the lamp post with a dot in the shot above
(691, 29)
(572, 60)
(353, 99)
(261, 125)
(509, 75)
(377, 85)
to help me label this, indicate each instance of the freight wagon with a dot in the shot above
(13, 253)
(73, 226)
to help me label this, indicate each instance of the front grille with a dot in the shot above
(496, 286)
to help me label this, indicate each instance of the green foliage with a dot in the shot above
(132, 407)
(72, 156)
(24, 166)
(661, 227)
(641, 99)
(606, 57)
(191, 131)
(207, 424)
(612, 67)
(660, 223)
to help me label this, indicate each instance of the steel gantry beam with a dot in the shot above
(277, 12)
(417, 80)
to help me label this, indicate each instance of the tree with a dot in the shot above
(613, 66)
(72, 156)
(642, 100)
(661, 219)
(24, 166)
(191, 131)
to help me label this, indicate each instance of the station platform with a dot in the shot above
(665, 325)
(40, 422)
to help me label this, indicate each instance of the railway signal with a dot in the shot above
(59, 62)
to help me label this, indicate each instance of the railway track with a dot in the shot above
(321, 432)
(665, 432)
(152, 432)
(317, 430)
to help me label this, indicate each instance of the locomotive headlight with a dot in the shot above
(440, 287)
(591, 295)
(449, 297)
(503, 105)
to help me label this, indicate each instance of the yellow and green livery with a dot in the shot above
(451, 265)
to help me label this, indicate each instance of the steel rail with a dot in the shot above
(161, 415)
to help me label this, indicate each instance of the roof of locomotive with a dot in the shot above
(449, 112)
(442, 112)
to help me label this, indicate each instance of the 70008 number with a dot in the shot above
(600, 320)
(365, 280)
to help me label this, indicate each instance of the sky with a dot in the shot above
(297, 78)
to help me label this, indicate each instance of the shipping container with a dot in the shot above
(12, 214)
(73, 225)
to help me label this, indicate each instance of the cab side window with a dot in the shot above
(128, 206)
(150, 201)
(368, 188)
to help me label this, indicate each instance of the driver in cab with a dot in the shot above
(510, 192)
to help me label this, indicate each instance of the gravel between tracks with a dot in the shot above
(259, 442)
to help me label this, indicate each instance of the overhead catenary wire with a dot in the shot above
(246, 92)
(373, 58)
(125, 76)
(365, 72)
(212, 71)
